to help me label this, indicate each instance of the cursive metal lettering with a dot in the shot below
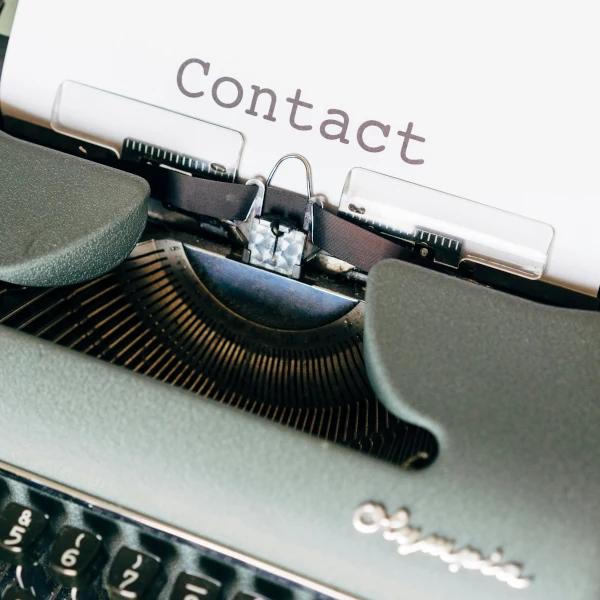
(371, 518)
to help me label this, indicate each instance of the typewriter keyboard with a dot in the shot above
(54, 545)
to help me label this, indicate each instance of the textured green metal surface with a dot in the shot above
(64, 219)
(511, 389)
(517, 469)
(7, 16)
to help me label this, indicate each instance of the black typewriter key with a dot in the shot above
(133, 575)
(34, 579)
(76, 557)
(247, 596)
(194, 587)
(20, 528)
(14, 592)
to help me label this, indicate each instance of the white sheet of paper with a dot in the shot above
(505, 93)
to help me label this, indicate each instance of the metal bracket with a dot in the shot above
(271, 244)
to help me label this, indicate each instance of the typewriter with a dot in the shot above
(228, 374)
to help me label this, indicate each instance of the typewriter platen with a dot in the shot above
(217, 388)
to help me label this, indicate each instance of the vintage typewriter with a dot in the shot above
(213, 386)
